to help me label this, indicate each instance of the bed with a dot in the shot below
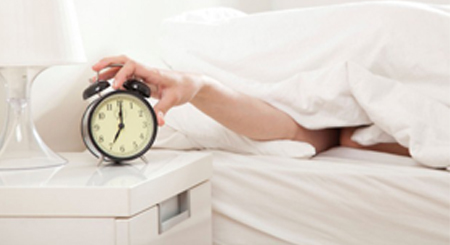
(342, 196)
(381, 65)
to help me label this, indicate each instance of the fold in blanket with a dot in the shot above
(349, 95)
(385, 65)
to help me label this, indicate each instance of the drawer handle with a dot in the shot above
(173, 211)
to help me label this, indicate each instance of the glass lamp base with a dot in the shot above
(20, 144)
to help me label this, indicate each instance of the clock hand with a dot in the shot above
(120, 114)
(121, 125)
(118, 133)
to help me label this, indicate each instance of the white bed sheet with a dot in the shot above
(342, 196)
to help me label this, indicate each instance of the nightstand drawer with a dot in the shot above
(192, 226)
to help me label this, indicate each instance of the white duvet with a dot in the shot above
(385, 65)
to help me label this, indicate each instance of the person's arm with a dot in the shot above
(255, 118)
(240, 113)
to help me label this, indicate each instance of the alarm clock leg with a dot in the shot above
(101, 160)
(144, 159)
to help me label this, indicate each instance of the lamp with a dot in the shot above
(34, 35)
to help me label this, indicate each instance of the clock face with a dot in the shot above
(122, 126)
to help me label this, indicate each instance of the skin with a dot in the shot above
(241, 113)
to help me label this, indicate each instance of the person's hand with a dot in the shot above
(171, 88)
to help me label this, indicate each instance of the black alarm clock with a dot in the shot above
(120, 125)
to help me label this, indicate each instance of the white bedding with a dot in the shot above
(342, 196)
(381, 64)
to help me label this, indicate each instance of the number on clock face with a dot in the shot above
(122, 125)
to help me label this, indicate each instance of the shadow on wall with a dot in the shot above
(58, 106)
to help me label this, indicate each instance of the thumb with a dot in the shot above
(162, 107)
(160, 117)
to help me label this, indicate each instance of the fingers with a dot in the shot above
(168, 101)
(155, 78)
(106, 75)
(132, 69)
(129, 69)
(160, 118)
(105, 62)
(126, 72)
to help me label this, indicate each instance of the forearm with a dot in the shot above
(243, 114)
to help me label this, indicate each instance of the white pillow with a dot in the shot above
(187, 128)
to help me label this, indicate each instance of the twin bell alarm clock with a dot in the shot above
(119, 125)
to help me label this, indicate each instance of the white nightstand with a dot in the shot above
(167, 201)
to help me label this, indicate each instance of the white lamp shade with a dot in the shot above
(39, 33)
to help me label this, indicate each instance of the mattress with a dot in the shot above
(342, 196)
